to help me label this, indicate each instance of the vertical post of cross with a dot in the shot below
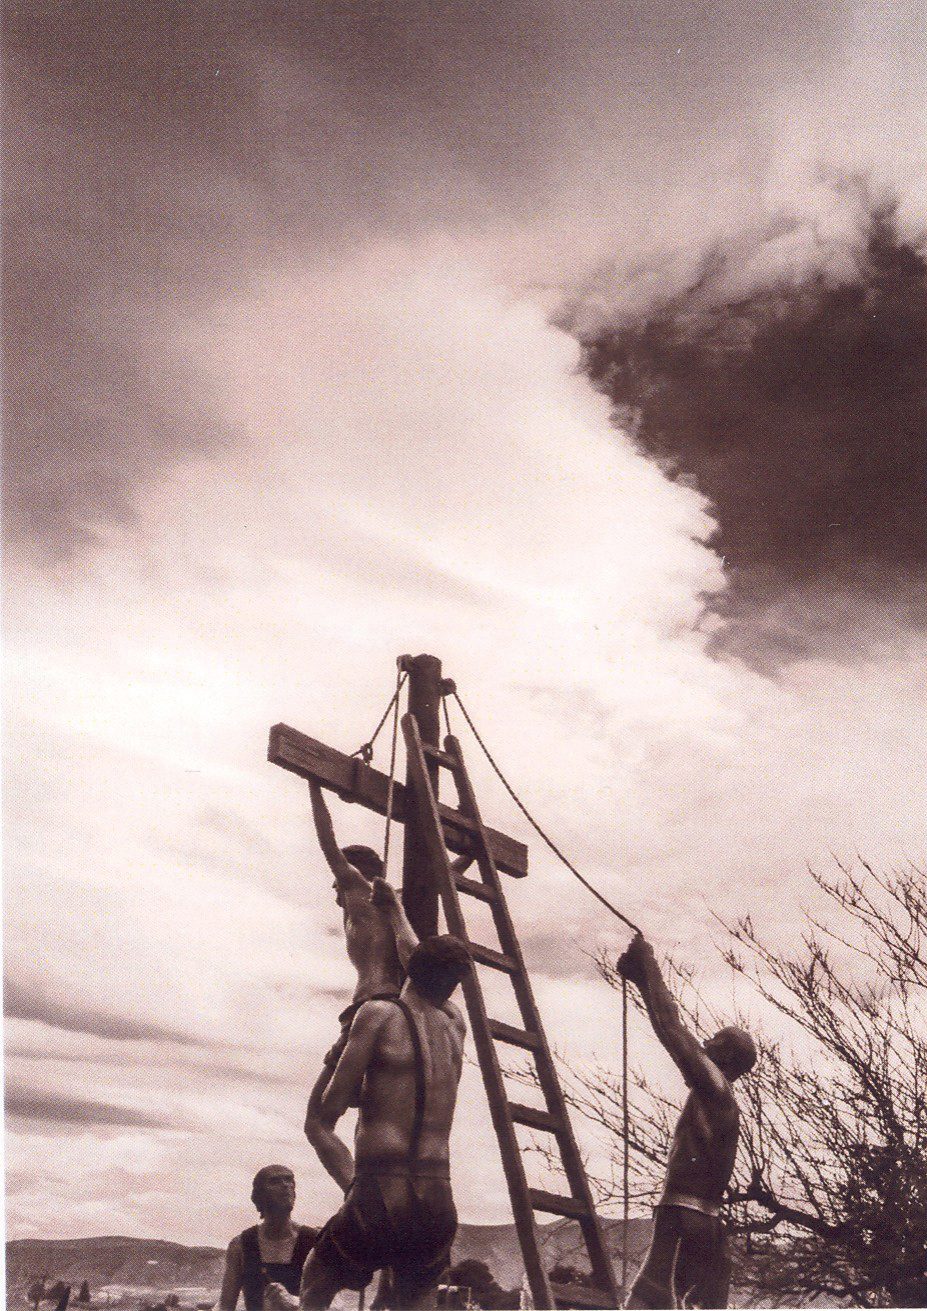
(419, 884)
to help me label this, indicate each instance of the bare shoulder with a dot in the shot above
(455, 1015)
(718, 1100)
(234, 1252)
(373, 1013)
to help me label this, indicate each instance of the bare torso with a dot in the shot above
(371, 945)
(387, 1103)
(701, 1158)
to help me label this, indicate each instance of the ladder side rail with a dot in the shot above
(512, 1163)
(602, 1269)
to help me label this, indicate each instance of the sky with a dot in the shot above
(407, 327)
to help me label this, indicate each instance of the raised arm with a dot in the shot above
(384, 895)
(697, 1068)
(346, 876)
(342, 1091)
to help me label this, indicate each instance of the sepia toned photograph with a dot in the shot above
(465, 654)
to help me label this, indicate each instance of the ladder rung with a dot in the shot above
(557, 1204)
(456, 819)
(578, 1295)
(515, 1037)
(474, 888)
(438, 756)
(535, 1119)
(494, 959)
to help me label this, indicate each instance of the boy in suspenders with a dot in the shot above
(273, 1251)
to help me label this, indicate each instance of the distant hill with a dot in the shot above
(144, 1263)
(149, 1264)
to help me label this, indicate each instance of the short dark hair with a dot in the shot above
(365, 859)
(437, 965)
(258, 1186)
(739, 1051)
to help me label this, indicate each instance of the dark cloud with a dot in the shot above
(25, 1001)
(29, 1105)
(159, 156)
(800, 410)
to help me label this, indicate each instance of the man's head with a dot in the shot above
(364, 859)
(274, 1190)
(733, 1051)
(437, 965)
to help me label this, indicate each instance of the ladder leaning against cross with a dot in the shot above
(431, 828)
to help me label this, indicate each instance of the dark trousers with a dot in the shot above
(688, 1263)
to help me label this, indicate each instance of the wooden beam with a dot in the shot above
(352, 780)
(419, 877)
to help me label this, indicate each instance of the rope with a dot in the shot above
(626, 1132)
(537, 828)
(400, 677)
(447, 718)
(625, 1108)
(365, 750)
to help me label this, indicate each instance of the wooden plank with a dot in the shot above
(438, 756)
(355, 781)
(503, 1032)
(579, 1296)
(532, 1118)
(557, 1204)
(494, 959)
(474, 888)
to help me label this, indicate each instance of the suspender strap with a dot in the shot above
(305, 1241)
(419, 1117)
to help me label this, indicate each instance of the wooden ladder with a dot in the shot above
(487, 1032)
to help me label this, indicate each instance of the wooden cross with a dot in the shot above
(353, 780)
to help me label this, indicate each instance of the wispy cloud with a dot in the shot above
(32, 1000)
(27, 1104)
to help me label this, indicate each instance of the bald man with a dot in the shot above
(688, 1262)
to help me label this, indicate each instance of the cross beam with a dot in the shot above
(354, 781)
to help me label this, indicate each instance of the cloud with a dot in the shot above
(23, 1103)
(785, 381)
(33, 1000)
(165, 161)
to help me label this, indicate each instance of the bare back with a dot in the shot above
(388, 1097)
(371, 944)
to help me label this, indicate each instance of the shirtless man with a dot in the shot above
(402, 1064)
(688, 1262)
(274, 1250)
(380, 941)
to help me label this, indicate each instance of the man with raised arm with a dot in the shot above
(380, 941)
(688, 1262)
(401, 1065)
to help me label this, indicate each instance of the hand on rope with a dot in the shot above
(630, 957)
(536, 826)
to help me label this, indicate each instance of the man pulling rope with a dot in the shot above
(688, 1263)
